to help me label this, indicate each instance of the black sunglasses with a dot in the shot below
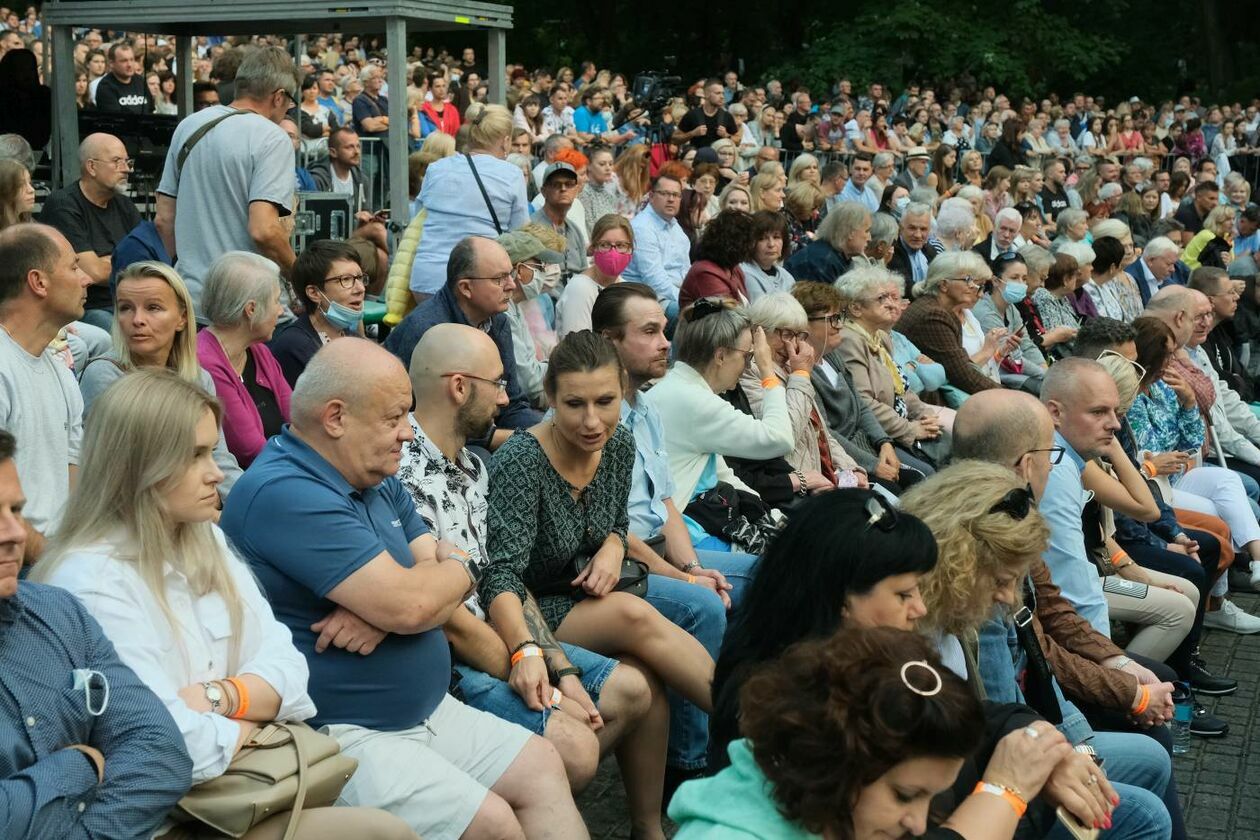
(1015, 504)
(880, 514)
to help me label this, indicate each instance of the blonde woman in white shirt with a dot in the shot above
(139, 548)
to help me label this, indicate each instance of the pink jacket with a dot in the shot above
(242, 427)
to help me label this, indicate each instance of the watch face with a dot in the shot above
(214, 694)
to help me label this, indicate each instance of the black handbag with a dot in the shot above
(634, 579)
(737, 516)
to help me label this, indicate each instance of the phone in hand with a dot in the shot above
(1074, 826)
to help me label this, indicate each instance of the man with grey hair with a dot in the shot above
(883, 168)
(228, 187)
(1152, 271)
(353, 571)
(95, 213)
(1006, 227)
(911, 252)
(551, 147)
(16, 147)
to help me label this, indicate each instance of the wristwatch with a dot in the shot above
(1086, 749)
(215, 695)
(473, 570)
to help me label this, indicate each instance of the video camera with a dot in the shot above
(652, 91)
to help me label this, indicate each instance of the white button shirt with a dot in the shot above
(168, 659)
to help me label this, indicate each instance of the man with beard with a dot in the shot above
(94, 213)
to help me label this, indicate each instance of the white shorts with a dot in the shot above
(433, 780)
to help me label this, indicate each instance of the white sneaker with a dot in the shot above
(1230, 618)
(1255, 575)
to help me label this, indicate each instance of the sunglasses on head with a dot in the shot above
(704, 307)
(880, 514)
(1015, 504)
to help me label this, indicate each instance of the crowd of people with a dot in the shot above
(942, 413)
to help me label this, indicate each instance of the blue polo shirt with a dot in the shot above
(304, 530)
(652, 482)
(1062, 505)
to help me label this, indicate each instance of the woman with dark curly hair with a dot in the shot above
(850, 737)
(728, 240)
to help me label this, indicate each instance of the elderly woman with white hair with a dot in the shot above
(940, 322)
(870, 306)
(956, 224)
(815, 451)
(842, 237)
(241, 300)
(1071, 226)
(975, 197)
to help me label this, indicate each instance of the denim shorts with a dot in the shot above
(490, 694)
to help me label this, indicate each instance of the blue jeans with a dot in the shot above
(493, 695)
(700, 612)
(1139, 769)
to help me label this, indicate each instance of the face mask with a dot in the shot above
(1014, 292)
(533, 288)
(341, 317)
(550, 276)
(932, 376)
(899, 206)
(611, 263)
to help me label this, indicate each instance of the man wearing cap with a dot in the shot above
(916, 171)
(559, 189)
(480, 279)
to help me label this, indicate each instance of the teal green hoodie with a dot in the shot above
(735, 803)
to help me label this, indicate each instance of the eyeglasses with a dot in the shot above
(880, 514)
(788, 335)
(501, 384)
(289, 95)
(835, 321)
(619, 247)
(1015, 504)
(117, 163)
(969, 280)
(748, 354)
(670, 196)
(347, 281)
(1140, 370)
(1055, 453)
(508, 279)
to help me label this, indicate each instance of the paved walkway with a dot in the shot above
(1219, 780)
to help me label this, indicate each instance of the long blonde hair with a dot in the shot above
(140, 442)
(183, 358)
(973, 543)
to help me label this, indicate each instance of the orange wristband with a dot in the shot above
(1149, 469)
(1143, 702)
(803, 373)
(1117, 557)
(1011, 795)
(770, 382)
(242, 697)
(691, 578)
(528, 650)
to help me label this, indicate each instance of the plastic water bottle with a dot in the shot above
(1183, 713)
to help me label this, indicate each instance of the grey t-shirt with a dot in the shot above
(104, 371)
(243, 159)
(41, 407)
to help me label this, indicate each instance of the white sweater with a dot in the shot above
(698, 424)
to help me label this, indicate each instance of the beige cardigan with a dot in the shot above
(875, 384)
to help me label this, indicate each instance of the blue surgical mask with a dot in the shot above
(899, 206)
(932, 376)
(341, 317)
(1014, 292)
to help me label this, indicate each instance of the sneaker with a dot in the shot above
(1206, 725)
(1204, 681)
(1255, 575)
(1230, 618)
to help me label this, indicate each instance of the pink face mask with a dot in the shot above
(611, 262)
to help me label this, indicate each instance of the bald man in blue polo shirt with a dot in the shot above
(353, 571)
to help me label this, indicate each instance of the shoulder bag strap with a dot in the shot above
(192, 141)
(494, 217)
(299, 799)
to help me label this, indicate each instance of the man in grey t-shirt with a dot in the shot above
(237, 182)
(42, 289)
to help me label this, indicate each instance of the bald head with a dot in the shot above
(450, 348)
(1175, 306)
(1000, 426)
(352, 371)
(101, 146)
(1069, 380)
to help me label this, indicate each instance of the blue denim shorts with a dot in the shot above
(490, 694)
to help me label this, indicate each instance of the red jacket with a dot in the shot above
(708, 279)
(448, 122)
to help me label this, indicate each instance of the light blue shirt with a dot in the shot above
(662, 254)
(457, 209)
(652, 482)
(918, 263)
(862, 195)
(1069, 564)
